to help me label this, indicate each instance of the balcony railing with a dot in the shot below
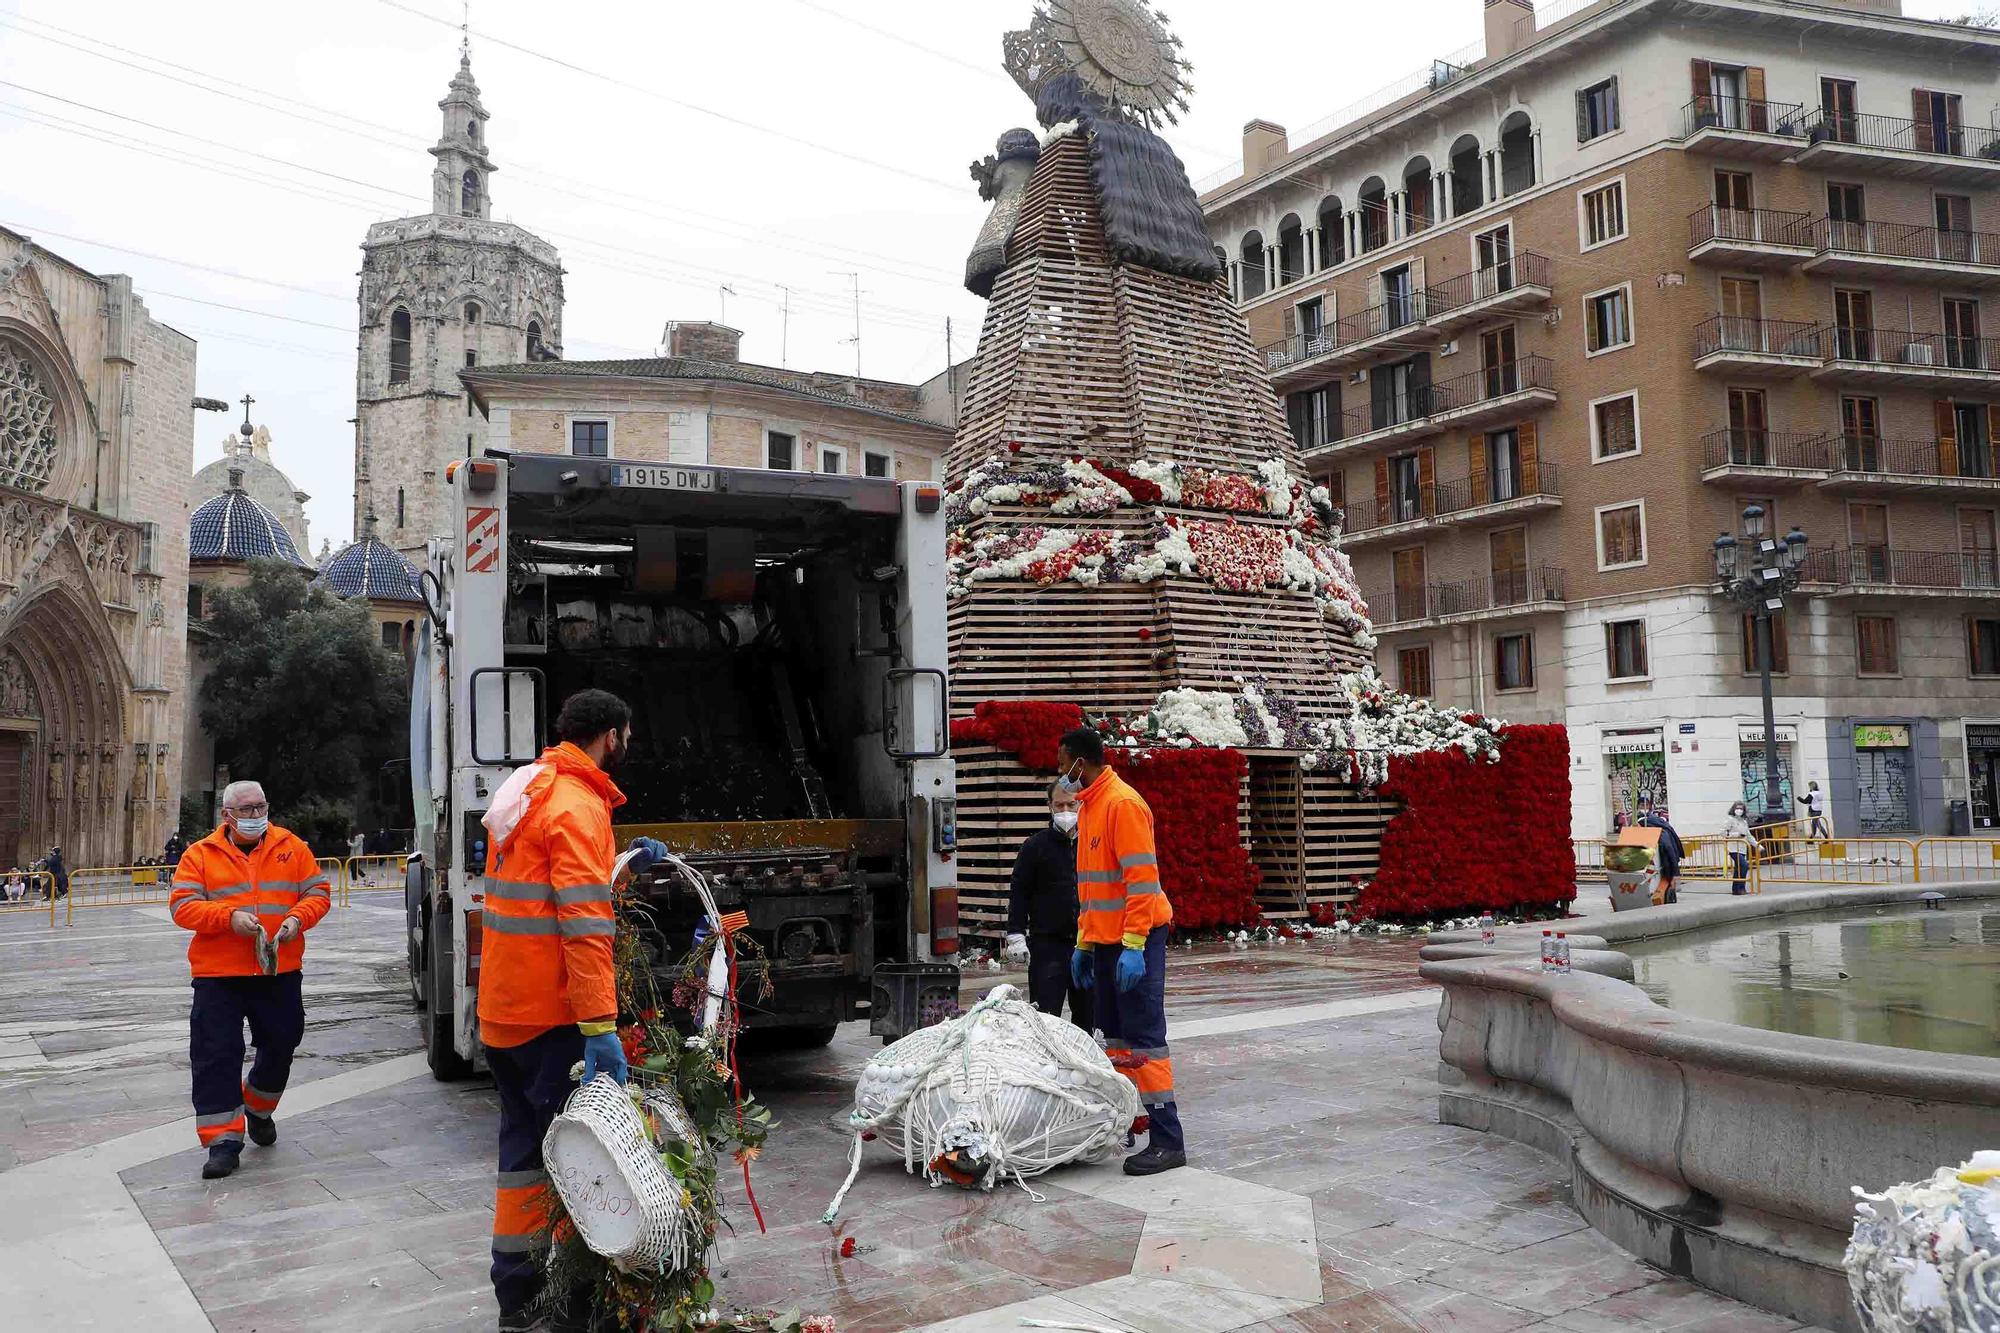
(1498, 591)
(1902, 134)
(1710, 112)
(1914, 457)
(1900, 240)
(1743, 333)
(1764, 448)
(1901, 347)
(1760, 226)
(1890, 567)
(1444, 499)
(1397, 313)
(1460, 391)
(1526, 269)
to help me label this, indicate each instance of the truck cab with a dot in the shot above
(780, 638)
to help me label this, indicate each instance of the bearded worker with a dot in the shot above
(1121, 939)
(548, 994)
(249, 891)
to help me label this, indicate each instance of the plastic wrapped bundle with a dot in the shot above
(1925, 1257)
(1002, 1092)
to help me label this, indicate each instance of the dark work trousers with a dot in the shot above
(533, 1082)
(1048, 979)
(1134, 1024)
(275, 1008)
(1739, 872)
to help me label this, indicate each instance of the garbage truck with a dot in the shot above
(780, 637)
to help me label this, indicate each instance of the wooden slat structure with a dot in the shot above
(1083, 357)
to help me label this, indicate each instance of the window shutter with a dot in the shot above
(1475, 451)
(1704, 96)
(1759, 118)
(1380, 392)
(1336, 488)
(1583, 115)
(1375, 302)
(1295, 416)
(1526, 446)
(1951, 121)
(1420, 382)
(1946, 418)
(1417, 300)
(1992, 429)
(1427, 476)
(1289, 322)
(1920, 112)
(1381, 491)
(1615, 120)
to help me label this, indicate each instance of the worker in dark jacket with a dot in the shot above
(1670, 848)
(1041, 911)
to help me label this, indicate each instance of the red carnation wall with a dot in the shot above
(1477, 836)
(1195, 795)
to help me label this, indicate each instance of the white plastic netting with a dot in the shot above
(1003, 1085)
(1925, 1256)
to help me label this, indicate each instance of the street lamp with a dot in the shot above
(1756, 571)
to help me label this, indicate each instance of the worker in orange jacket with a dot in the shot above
(249, 891)
(1121, 940)
(548, 992)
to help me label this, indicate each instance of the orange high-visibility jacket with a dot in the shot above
(1117, 867)
(275, 879)
(548, 925)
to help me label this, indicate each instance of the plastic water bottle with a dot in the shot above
(1486, 927)
(1562, 952)
(1548, 951)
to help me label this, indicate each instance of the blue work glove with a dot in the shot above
(1131, 969)
(651, 852)
(603, 1054)
(701, 933)
(1082, 969)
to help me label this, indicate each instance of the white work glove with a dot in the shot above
(1015, 950)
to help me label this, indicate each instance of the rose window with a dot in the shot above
(27, 422)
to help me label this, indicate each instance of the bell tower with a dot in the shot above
(460, 187)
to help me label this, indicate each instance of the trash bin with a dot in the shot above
(1630, 889)
(1630, 870)
(1961, 820)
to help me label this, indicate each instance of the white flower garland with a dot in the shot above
(1383, 723)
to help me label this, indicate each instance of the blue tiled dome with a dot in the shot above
(233, 526)
(371, 570)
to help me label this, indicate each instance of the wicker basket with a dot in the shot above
(623, 1202)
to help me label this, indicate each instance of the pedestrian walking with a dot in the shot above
(1042, 911)
(249, 891)
(1121, 940)
(1737, 825)
(548, 994)
(58, 873)
(1670, 849)
(1815, 805)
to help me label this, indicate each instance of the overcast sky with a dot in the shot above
(232, 154)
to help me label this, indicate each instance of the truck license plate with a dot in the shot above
(661, 477)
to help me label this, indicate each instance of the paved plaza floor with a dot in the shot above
(1322, 1195)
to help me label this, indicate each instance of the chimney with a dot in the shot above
(704, 341)
(1510, 25)
(1263, 144)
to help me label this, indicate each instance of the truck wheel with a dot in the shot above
(447, 1065)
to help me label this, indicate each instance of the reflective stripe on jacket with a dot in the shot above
(1117, 866)
(275, 879)
(548, 925)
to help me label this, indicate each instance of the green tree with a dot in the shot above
(303, 698)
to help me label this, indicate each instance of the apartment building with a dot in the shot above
(1548, 318)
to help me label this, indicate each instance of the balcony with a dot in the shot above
(1476, 399)
(1765, 458)
(1873, 356)
(1769, 348)
(1740, 128)
(1513, 285)
(1491, 497)
(1751, 238)
(1898, 251)
(1885, 571)
(1870, 463)
(1900, 147)
(1307, 360)
(1502, 595)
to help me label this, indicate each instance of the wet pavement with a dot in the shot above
(1322, 1195)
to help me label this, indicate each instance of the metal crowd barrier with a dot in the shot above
(1959, 858)
(117, 886)
(37, 894)
(1838, 861)
(371, 874)
(1702, 858)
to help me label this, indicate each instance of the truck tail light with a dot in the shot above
(475, 939)
(944, 921)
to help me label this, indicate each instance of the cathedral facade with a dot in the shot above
(439, 293)
(96, 448)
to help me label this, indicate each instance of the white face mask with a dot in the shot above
(1064, 820)
(252, 829)
(1068, 781)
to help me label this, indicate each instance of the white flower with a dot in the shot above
(1277, 481)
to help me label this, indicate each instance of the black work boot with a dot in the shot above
(222, 1160)
(1154, 1160)
(263, 1129)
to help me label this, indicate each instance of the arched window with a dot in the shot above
(472, 130)
(1291, 249)
(1253, 265)
(1468, 190)
(472, 312)
(1517, 153)
(399, 347)
(1332, 233)
(1374, 201)
(468, 202)
(534, 340)
(1417, 195)
(28, 426)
